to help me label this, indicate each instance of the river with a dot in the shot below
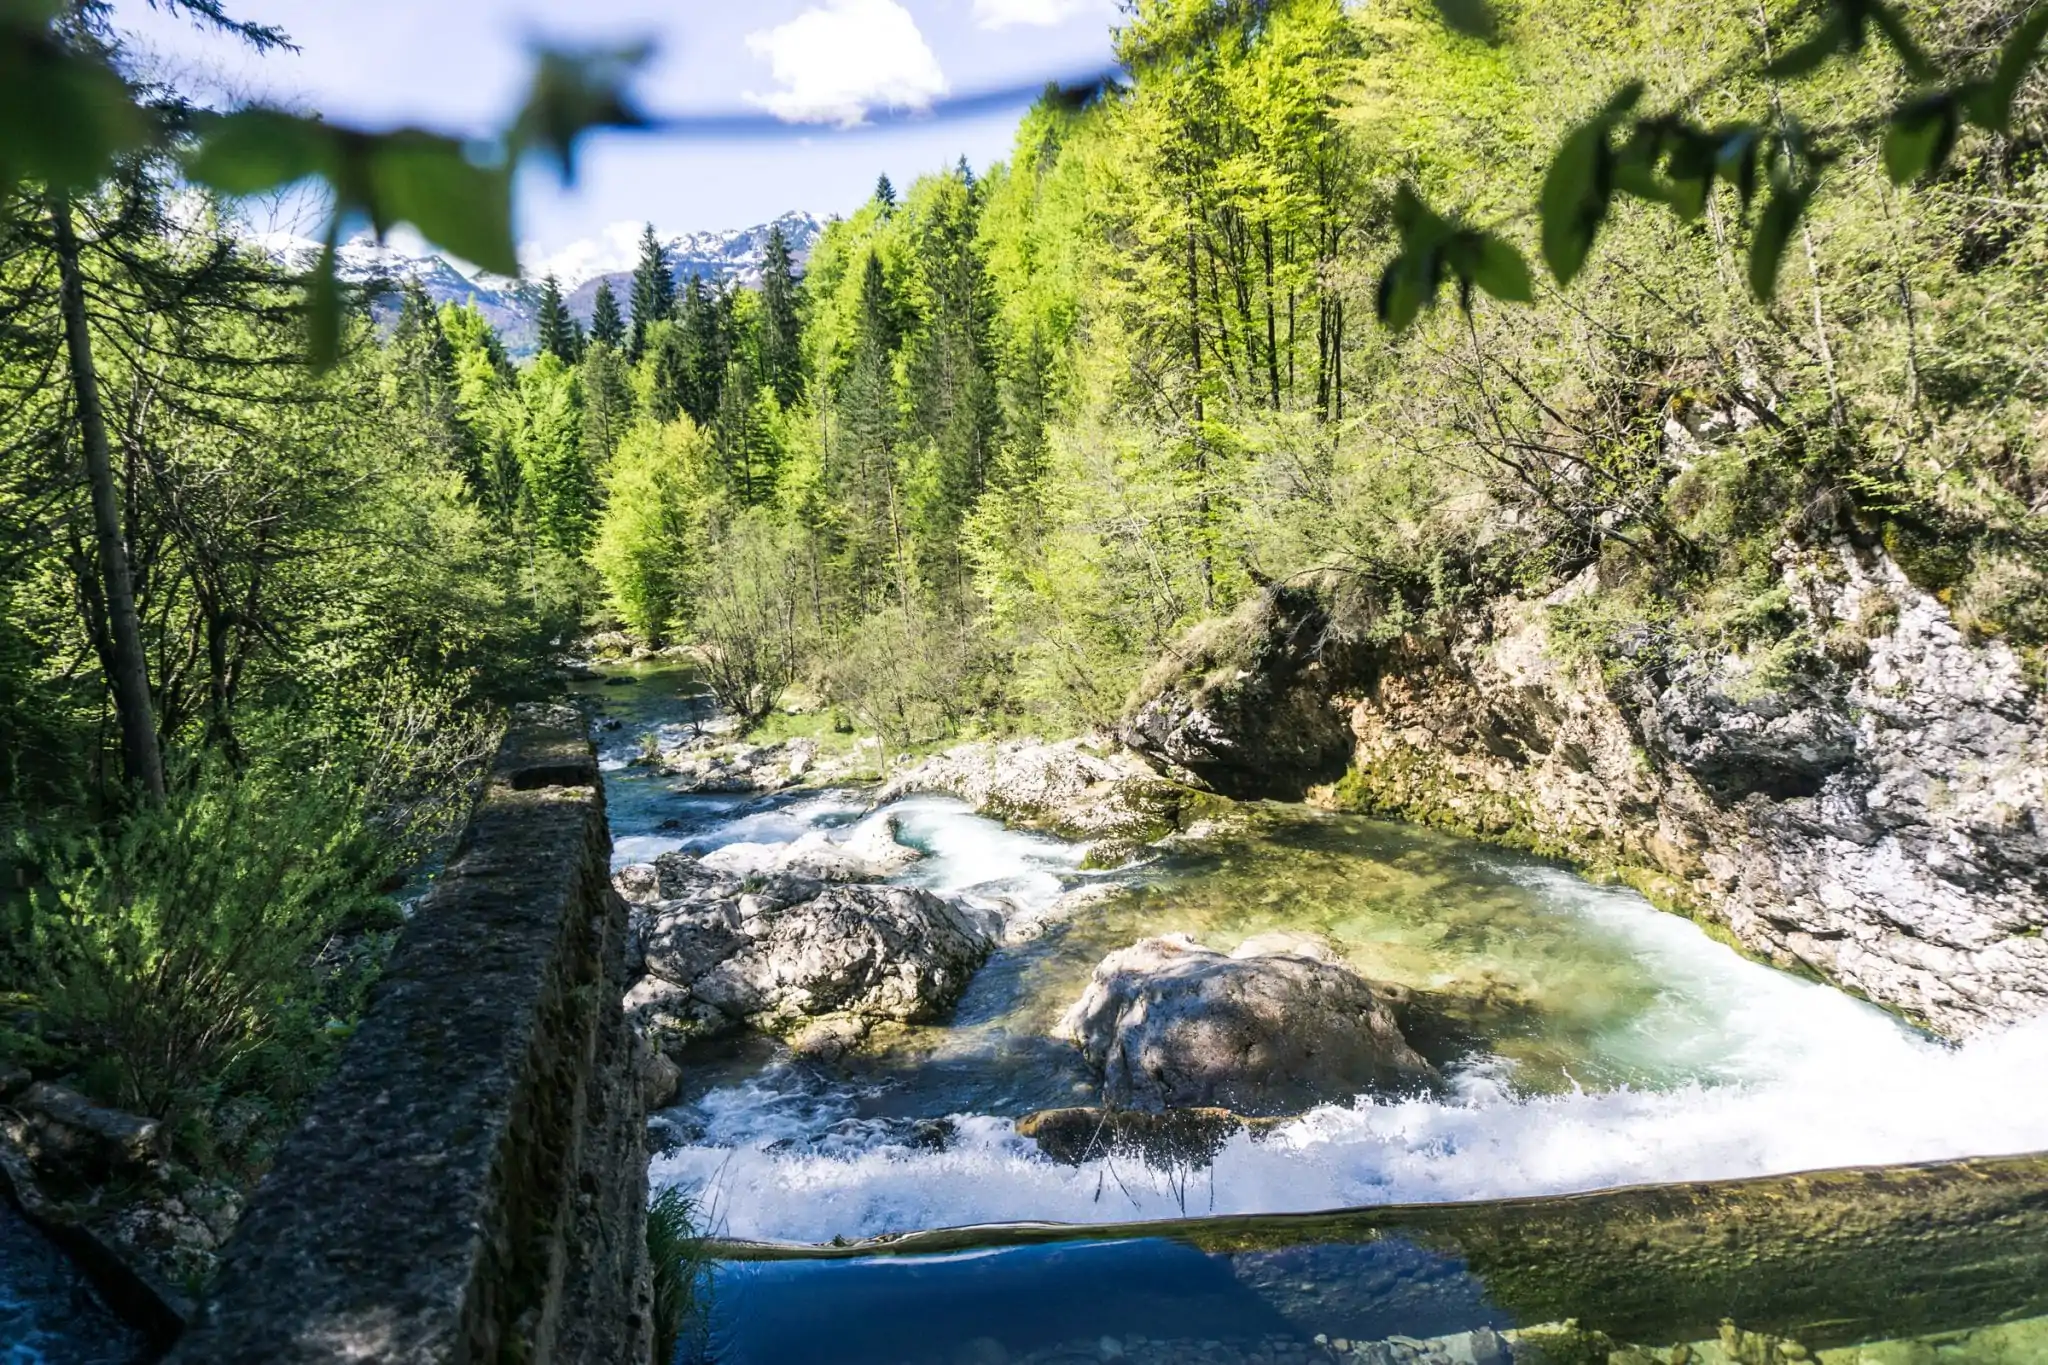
(1590, 1041)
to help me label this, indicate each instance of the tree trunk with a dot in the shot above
(129, 674)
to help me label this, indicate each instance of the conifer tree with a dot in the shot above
(885, 195)
(654, 289)
(423, 374)
(606, 322)
(781, 326)
(557, 328)
(697, 322)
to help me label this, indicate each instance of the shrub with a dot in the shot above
(178, 947)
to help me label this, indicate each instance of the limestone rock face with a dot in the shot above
(1877, 811)
(1075, 789)
(1172, 1024)
(1244, 706)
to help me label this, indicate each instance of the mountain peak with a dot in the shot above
(512, 306)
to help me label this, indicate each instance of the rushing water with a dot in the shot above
(1588, 1040)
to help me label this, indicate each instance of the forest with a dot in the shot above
(970, 469)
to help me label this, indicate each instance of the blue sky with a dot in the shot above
(820, 65)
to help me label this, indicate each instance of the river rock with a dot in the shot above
(1244, 706)
(1168, 1139)
(674, 876)
(70, 1137)
(682, 940)
(1173, 1024)
(660, 1078)
(870, 854)
(795, 949)
(877, 952)
(1077, 789)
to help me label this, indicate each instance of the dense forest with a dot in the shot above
(987, 454)
(1014, 433)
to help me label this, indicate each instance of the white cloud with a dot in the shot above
(1035, 13)
(616, 248)
(842, 58)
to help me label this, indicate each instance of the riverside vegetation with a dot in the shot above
(1003, 455)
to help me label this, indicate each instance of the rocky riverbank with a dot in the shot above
(1866, 800)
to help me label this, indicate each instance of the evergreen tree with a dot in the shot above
(885, 195)
(606, 323)
(423, 374)
(607, 404)
(654, 289)
(557, 329)
(865, 469)
(703, 365)
(781, 336)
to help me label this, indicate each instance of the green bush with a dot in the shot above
(183, 951)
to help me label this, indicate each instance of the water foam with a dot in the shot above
(1901, 1099)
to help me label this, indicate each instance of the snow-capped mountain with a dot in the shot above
(513, 306)
(716, 257)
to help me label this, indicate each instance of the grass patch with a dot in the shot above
(681, 1262)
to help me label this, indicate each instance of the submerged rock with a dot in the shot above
(1074, 789)
(1173, 1024)
(1173, 1138)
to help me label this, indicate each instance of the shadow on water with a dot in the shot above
(50, 1313)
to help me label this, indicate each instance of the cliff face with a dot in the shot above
(1877, 814)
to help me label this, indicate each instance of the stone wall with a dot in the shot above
(1875, 813)
(471, 1185)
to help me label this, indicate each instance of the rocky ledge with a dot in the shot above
(1274, 1028)
(1084, 790)
(1866, 800)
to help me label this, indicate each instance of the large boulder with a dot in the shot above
(675, 876)
(793, 949)
(875, 952)
(1242, 706)
(1275, 1030)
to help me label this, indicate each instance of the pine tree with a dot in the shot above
(606, 323)
(885, 195)
(423, 373)
(781, 326)
(557, 329)
(607, 404)
(697, 320)
(654, 289)
(866, 462)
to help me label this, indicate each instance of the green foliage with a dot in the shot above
(682, 1271)
(184, 943)
(751, 615)
(652, 528)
